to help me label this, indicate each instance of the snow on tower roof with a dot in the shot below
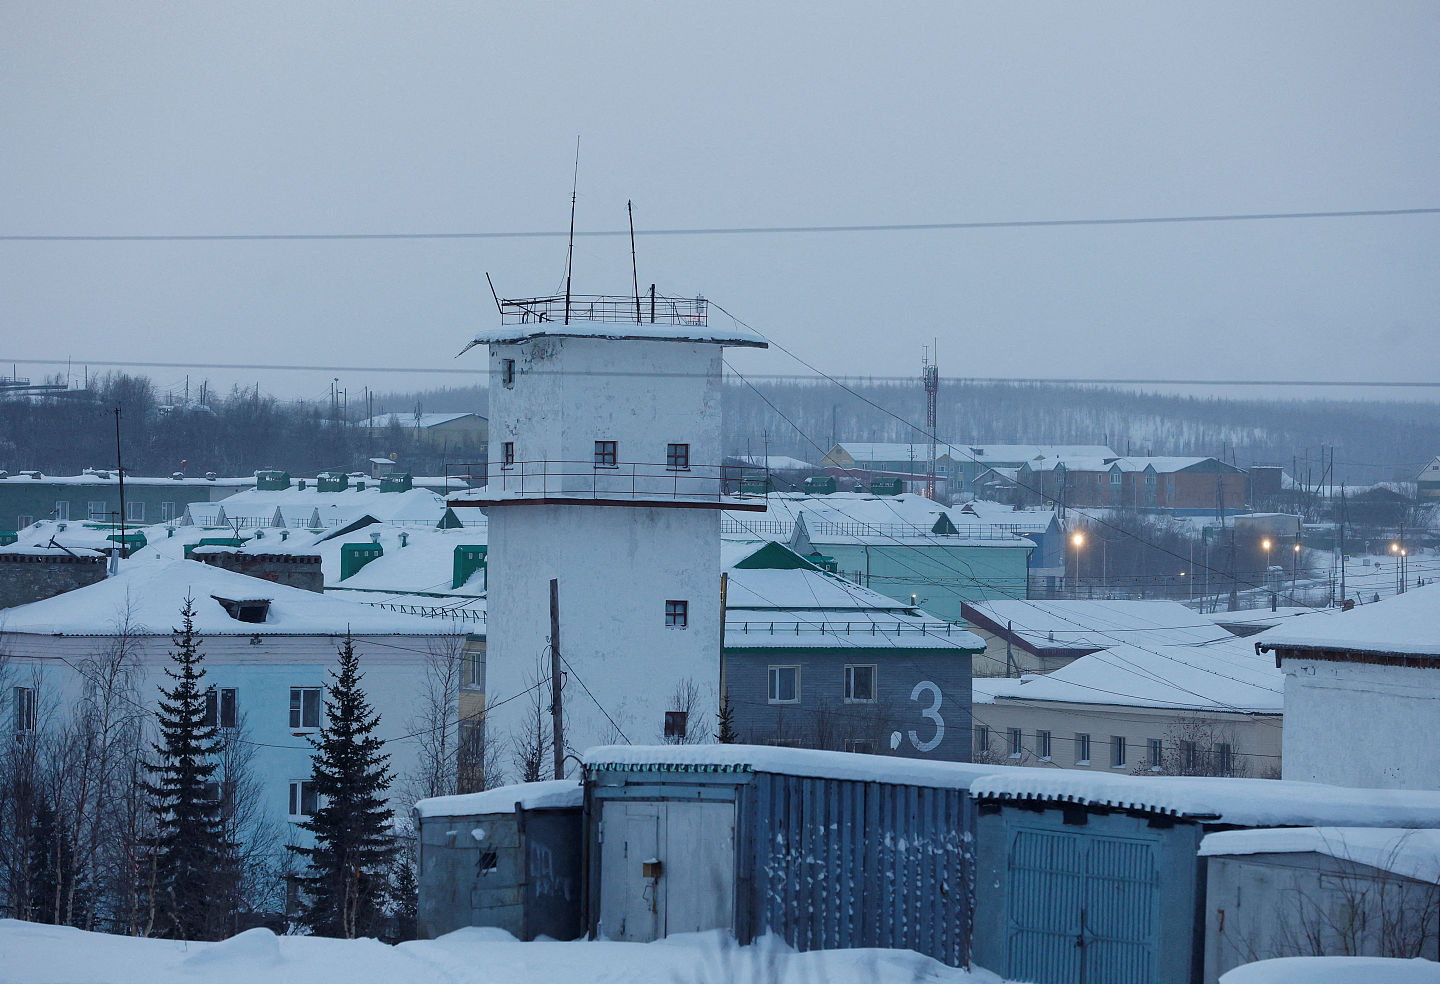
(1245, 802)
(651, 318)
(1407, 624)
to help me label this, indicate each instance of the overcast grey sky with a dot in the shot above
(206, 118)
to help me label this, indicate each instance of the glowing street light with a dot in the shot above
(1077, 540)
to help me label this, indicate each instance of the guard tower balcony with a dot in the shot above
(650, 309)
(625, 483)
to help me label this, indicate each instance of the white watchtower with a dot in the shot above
(605, 473)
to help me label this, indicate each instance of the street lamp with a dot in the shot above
(1294, 566)
(1077, 540)
(1265, 544)
(1400, 566)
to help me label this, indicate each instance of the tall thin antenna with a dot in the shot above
(570, 256)
(634, 269)
(930, 376)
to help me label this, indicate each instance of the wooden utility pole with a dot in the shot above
(120, 474)
(556, 716)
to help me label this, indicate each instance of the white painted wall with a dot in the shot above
(571, 392)
(1360, 724)
(617, 566)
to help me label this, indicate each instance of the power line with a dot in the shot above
(725, 230)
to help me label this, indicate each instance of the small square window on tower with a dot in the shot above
(677, 614)
(677, 457)
(605, 452)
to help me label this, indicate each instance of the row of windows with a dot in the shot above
(222, 708)
(607, 455)
(1191, 758)
(784, 685)
(99, 511)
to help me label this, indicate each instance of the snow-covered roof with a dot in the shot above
(727, 334)
(110, 478)
(1412, 853)
(296, 507)
(420, 421)
(1335, 970)
(1243, 802)
(1100, 624)
(1222, 676)
(1406, 624)
(984, 690)
(37, 550)
(1002, 514)
(860, 517)
(808, 762)
(769, 590)
(985, 454)
(154, 591)
(525, 795)
(773, 462)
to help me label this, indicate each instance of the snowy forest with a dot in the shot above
(244, 430)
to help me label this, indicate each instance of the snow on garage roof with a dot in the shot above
(1407, 624)
(525, 795)
(806, 762)
(1245, 802)
(1403, 851)
(1335, 970)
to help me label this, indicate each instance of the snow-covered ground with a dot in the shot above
(36, 954)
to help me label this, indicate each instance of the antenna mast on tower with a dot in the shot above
(930, 376)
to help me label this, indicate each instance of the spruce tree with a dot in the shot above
(191, 856)
(344, 888)
(727, 735)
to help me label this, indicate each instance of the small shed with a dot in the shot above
(1098, 877)
(826, 849)
(507, 857)
(1321, 891)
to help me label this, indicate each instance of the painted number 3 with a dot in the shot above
(933, 713)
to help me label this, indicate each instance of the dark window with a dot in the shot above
(675, 725)
(26, 713)
(982, 740)
(605, 454)
(507, 373)
(1117, 752)
(507, 454)
(1189, 757)
(304, 708)
(1017, 742)
(303, 799)
(1042, 744)
(1082, 749)
(1157, 753)
(677, 457)
(221, 707)
(862, 746)
(1224, 760)
(784, 684)
(677, 614)
(860, 684)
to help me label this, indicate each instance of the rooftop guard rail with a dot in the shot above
(648, 309)
(777, 527)
(863, 627)
(429, 611)
(637, 480)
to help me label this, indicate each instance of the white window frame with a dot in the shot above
(677, 613)
(62, 510)
(1115, 478)
(850, 669)
(1082, 748)
(1119, 753)
(982, 740)
(1015, 739)
(1224, 758)
(23, 521)
(95, 510)
(472, 669)
(135, 511)
(1044, 745)
(167, 512)
(295, 805)
(297, 709)
(773, 678)
(1155, 752)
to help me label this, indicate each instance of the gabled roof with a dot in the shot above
(420, 421)
(1076, 627)
(1404, 851)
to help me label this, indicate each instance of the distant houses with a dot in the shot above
(434, 428)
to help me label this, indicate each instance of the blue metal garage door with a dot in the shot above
(1082, 908)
